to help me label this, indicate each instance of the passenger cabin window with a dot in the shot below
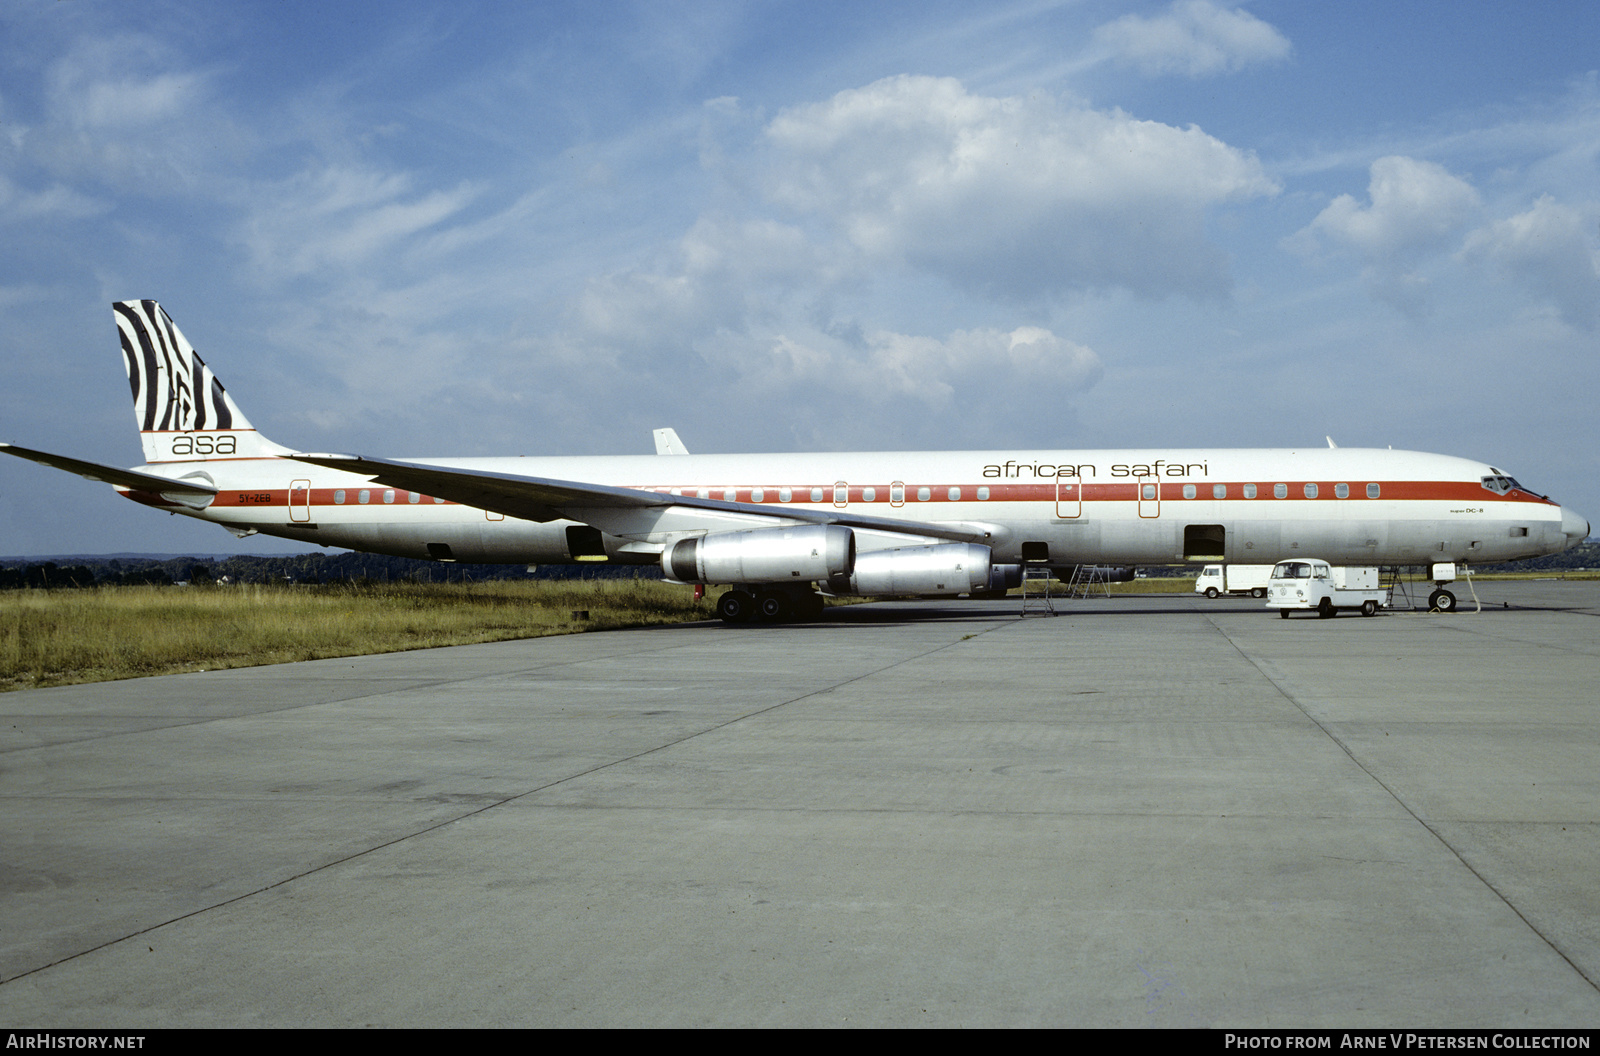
(869, 494)
(1280, 491)
(816, 494)
(730, 495)
(363, 496)
(1372, 491)
(1219, 491)
(757, 495)
(1188, 491)
(897, 494)
(924, 494)
(983, 494)
(388, 494)
(1311, 491)
(413, 498)
(784, 494)
(954, 495)
(338, 497)
(1341, 491)
(1249, 491)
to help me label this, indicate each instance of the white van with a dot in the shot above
(1314, 584)
(1233, 579)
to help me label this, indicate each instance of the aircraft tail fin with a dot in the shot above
(184, 413)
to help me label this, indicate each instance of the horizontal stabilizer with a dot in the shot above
(122, 478)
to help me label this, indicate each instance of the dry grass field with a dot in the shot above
(58, 637)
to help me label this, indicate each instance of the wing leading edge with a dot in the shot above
(625, 512)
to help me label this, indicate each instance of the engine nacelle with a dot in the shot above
(1004, 577)
(763, 555)
(947, 568)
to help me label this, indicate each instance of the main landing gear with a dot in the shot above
(769, 605)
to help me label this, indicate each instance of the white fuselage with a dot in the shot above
(1344, 505)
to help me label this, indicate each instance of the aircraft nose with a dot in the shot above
(1574, 527)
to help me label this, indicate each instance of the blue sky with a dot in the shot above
(511, 228)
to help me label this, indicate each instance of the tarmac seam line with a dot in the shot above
(489, 806)
(1351, 755)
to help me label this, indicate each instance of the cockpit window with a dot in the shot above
(1501, 484)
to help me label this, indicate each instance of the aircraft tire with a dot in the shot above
(1211, 592)
(773, 606)
(1369, 608)
(1442, 600)
(736, 606)
(1325, 609)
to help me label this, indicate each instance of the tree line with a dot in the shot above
(288, 569)
(357, 567)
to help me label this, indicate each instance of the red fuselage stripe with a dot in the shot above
(1122, 491)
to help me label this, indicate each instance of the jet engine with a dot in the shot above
(946, 568)
(801, 554)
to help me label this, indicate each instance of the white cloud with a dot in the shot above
(55, 202)
(936, 372)
(1194, 38)
(121, 80)
(1547, 250)
(1416, 206)
(1416, 209)
(124, 112)
(340, 216)
(130, 102)
(1012, 197)
(980, 371)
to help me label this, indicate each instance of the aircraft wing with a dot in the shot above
(619, 511)
(122, 478)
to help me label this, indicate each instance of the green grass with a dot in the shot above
(60, 637)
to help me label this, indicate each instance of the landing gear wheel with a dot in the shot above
(1369, 608)
(1325, 609)
(1259, 592)
(1211, 592)
(772, 606)
(736, 606)
(1442, 600)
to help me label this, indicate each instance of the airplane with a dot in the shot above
(784, 530)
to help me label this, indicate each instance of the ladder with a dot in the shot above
(1036, 580)
(1085, 578)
